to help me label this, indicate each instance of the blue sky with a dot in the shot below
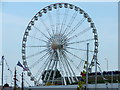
(16, 16)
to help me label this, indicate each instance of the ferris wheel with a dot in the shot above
(54, 44)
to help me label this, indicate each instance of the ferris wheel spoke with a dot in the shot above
(41, 32)
(51, 71)
(68, 68)
(57, 20)
(46, 27)
(70, 22)
(67, 72)
(62, 73)
(35, 54)
(73, 63)
(64, 20)
(48, 68)
(57, 59)
(80, 64)
(67, 62)
(64, 67)
(54, 74)
(43, 67)
(72, 70)
(39, 60)
(38, 39)
(79, 49)
(74, 55)
(37, 46)
(87, 40)
(40, 69)
(76, 27)
(51, 23)
(80, 33)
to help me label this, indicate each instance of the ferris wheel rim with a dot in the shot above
(44, 11)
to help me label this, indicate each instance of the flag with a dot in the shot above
(19, 64)
(24, 68)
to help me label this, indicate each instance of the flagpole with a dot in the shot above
(15, 79)
(22, 82)
(96, 72)
(87, 66)
(24, 69)
(2, 69)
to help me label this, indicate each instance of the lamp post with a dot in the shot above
(87, 66)
(107, 63)
(2, 69)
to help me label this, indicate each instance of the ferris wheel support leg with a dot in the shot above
(63, 77)
(54, 72)
(69, 72)
(65, 82)
(48, 67)
(65, 71)
(56, 62)
(51, 71)
(65, 61)
(96, 74)
(72, 71)
(47, 72)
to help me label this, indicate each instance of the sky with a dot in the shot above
(16, 16)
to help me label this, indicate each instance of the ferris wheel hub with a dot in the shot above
(57, 41)
(56, 45)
